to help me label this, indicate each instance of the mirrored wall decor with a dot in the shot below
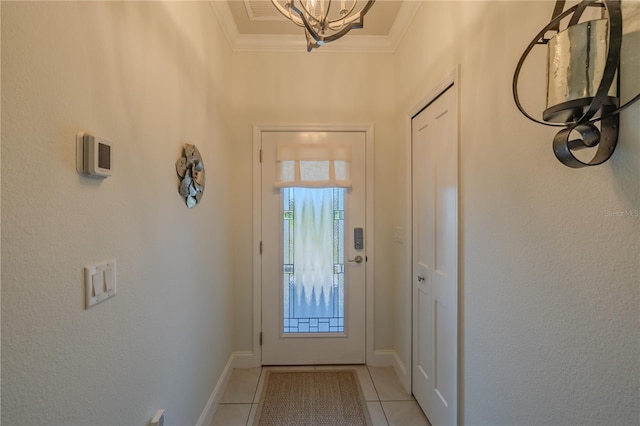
(190, 169)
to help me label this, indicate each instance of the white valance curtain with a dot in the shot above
(317, 165)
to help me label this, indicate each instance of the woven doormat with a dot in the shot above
(318, 397)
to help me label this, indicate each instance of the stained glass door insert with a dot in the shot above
(313, 260)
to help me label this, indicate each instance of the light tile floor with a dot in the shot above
(387, 401)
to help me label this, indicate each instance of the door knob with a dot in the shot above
(358, 259)
(421, 278)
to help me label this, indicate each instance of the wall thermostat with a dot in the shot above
(93, 155)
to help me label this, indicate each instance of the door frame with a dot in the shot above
(451, 81)
(368, 130)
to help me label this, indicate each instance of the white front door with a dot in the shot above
(435, 259)
(313, 266)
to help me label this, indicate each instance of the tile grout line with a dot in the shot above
(375, 388)
(255, 393)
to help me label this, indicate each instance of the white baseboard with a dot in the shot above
(403, 374)
(389, 358)
(216, 395)
(381, 358)
(245, 359)
(236, 360)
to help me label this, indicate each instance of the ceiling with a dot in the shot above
(256, 25)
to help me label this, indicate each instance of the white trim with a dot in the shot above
(216, 395)
(390, 358)
(236, 360)
(402, 372)
(368, 129)
(383, 358)
(407, 12)
(225, 18)
(297, 43)
(451, 79)
(245, 359)
(369, 242)
(257, 240)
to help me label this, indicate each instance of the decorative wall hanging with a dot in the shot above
(190, 169)
(582, 89)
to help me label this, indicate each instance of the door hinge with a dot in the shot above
(261, 338)
(260, 247)
(261, 156)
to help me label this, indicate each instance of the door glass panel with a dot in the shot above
(313, 260)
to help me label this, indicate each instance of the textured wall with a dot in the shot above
(150, 76)
(550, 259)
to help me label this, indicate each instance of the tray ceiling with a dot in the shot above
(256, 25)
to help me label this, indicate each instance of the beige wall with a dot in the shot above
(549, 294)
(317, 88)
(149, 76)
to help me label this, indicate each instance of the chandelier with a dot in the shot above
(322, 22)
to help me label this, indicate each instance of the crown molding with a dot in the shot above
(293, 43)
(223, 14)
(407, 12)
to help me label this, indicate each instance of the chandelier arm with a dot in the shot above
(366, 7)
(353, 6)
(354, 21)
(296, 19)
(329, 38)
(287, 13)
(336, 25)
(304, 13)
(301, 16)
(358, 16)
(523, 58)
(311, 42)
(311, 32)
(326, 13)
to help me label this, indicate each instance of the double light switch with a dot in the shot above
(100, 282)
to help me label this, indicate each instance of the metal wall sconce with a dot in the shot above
(582, 88)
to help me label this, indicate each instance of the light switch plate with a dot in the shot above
(158, 419)
(99, 282)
